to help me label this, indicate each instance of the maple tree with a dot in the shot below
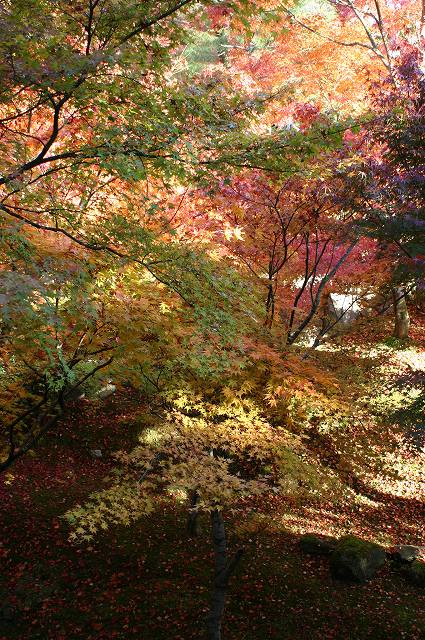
(395, 196)
(95, 134)
(294, 238)
(215, 447)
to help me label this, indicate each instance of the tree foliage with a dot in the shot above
(183, 188)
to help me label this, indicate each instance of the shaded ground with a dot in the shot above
(148, 582)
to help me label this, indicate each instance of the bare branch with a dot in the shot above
(371, 47)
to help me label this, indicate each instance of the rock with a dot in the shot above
(96, 453)
(415, 573)
(407, 553)
(317, 545)
(106, 391)
(356, 560)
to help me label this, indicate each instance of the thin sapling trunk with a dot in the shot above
(222, 572)
(401, 314)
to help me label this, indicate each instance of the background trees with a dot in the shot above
(395, 199)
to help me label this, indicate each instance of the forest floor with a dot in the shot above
(149, 582)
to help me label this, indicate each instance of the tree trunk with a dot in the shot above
(193, 520)
(401, 314)
(222, 572)
(270, 304)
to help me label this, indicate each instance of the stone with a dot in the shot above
(415, 573)
(356, 560)
(96, 453)
(317, 545)
(106, 391)
(407, 552)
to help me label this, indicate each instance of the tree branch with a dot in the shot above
(33, 438)
(143, 26)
